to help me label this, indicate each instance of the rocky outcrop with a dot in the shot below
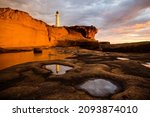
(82, 36)
(19, 29)
(127, 47)
(86, 31)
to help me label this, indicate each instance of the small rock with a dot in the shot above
(37, 50)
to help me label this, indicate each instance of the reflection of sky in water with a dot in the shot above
(99, 87)
(58, 69)
(147, 64)
(10, 59)
(122, 58)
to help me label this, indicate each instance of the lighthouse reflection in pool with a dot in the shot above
(58, 69)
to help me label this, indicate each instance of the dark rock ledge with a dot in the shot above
(33, 81)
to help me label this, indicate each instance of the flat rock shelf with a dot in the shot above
(98, 74)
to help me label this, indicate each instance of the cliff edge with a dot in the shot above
(19, 29)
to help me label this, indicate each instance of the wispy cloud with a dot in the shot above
(131, 29)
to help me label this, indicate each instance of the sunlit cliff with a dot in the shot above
(19, 29)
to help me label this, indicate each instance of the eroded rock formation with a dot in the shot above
(33, 81)
(19, 29)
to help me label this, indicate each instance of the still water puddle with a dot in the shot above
(99, 87)
(147, 64)
(10, 59)
(122, 58)
(58, 69)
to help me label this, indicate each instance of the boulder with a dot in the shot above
(37, 50)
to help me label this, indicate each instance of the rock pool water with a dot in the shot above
(122, 58)
(99, 87)
(10, 59)
(147, 64)
(58, 69)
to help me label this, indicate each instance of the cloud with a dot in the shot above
(102, 13)
(121, 13)
(131, 29)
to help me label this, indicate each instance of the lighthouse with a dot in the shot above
(57, 19)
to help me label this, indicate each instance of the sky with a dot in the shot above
(117, 21)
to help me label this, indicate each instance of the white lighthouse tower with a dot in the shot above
(57, 19)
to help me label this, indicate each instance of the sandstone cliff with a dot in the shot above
(71, 35)
(19, 29)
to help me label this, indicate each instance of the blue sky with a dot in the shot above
(118, 21)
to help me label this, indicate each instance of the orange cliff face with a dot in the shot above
(19, 29)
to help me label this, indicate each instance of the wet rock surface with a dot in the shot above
(32, 81)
